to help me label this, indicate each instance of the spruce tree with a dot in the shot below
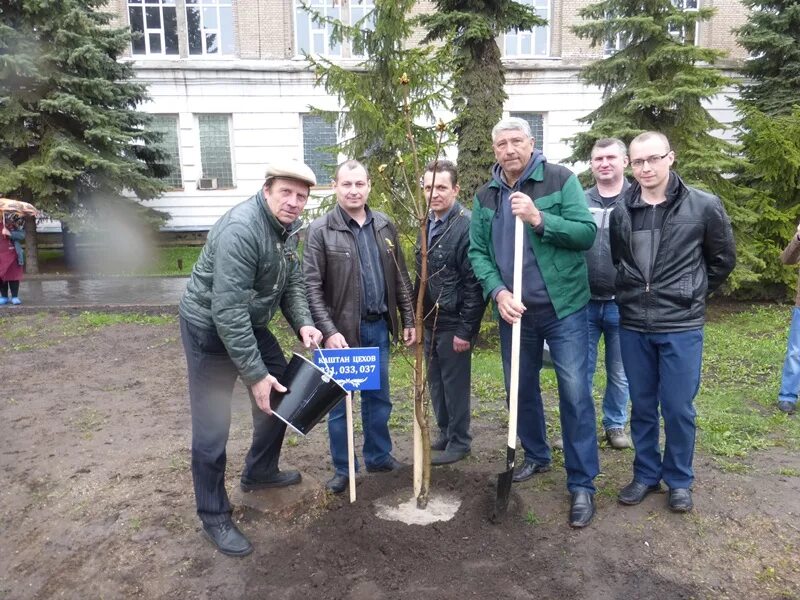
(470, 28)
(658, 80)
(70, 136)
(772, 37)
(373, 126)
(769, 110)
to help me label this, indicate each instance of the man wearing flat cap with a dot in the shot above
(248, 268)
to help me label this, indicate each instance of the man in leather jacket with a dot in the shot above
(248, 269)
(453, 308)
(357, 279)
(672, 246)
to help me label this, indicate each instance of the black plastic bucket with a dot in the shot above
(310, 395)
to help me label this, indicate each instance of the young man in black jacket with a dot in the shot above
(672, 245)
(453, 308)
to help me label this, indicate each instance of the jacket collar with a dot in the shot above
(284, 231)
(534, 170)
(676, 192)
(594, 194)
(336, 219)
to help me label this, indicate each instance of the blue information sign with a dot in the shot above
(355, 369)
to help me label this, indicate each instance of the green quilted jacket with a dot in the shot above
(247, 269)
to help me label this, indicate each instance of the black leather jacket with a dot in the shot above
(451, 281)
(602, 273)
(696, 253)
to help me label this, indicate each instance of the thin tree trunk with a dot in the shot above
(31, 246)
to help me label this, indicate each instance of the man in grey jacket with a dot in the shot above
(608, 161)
(248, 268)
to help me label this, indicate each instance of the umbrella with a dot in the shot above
(7, 205)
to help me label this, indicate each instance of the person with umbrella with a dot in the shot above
(12, 256)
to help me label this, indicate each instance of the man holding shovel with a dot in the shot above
(558, 229)
(248, 268)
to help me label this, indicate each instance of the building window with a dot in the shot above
(615, 43)
(210, 26)
(314, 36)
(526, 44)
(536, 121)
(686, 35)
(167, 126)
(319, 136)
(156, 23)
(215, 150)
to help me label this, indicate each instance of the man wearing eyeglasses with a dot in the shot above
(672, 246)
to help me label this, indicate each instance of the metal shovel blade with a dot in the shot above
(504, 481)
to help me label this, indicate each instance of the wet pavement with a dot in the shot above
(42, 293)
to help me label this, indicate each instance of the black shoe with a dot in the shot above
(787, 407)
(390, 465)
(581, 509)
(276, 480)
(680, 500)
(448, 457)
(440, 443)
(528, 469)
(338, 483)
(635, 492)
(228, 539)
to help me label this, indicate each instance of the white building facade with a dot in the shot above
(231, 91)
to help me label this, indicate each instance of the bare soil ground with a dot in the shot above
(96, 502)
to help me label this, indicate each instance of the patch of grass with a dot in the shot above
(88, 421)
(135, 524)
(742, 359)
(169, 260)
(100, 319)
(789, 472)
(729, 466)
(175, 260)
(179, 462)
(531, 518)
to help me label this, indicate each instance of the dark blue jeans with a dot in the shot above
(212, 376)
(663, 372)
(604, 320)
(376, 407)
(567, 339)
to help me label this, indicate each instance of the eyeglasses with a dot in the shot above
(638, 163)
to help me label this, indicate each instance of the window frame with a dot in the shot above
(521, 34)
(681, 34)
(324, 180)
(539, 142)
(202, 6)
(343, 7)
(177, 157)
(202, 174)
(148, 31)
